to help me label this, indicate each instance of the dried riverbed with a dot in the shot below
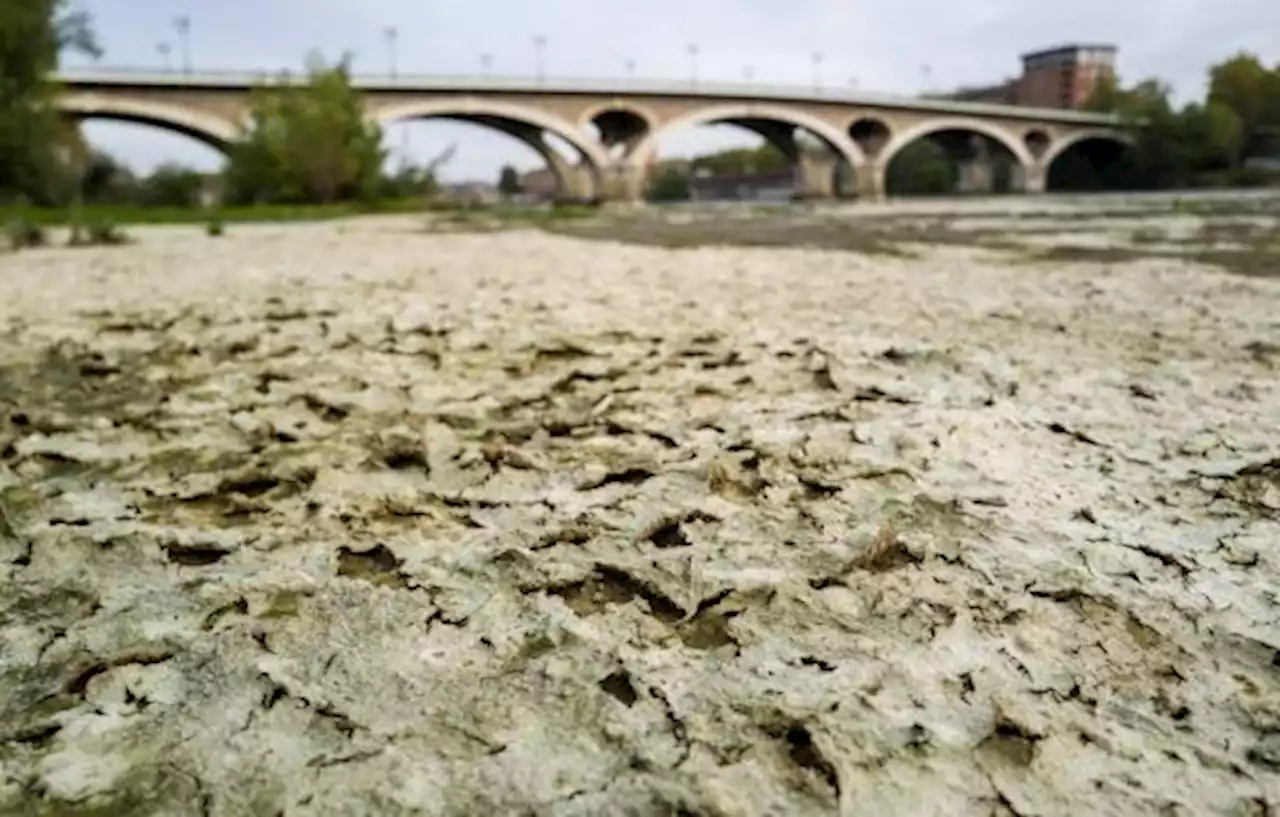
(362, 519)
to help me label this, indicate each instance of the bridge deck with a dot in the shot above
(710, 91)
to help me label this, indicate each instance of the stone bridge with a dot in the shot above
(600, 138)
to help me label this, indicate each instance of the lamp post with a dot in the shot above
(183, 26)
(391, 34)
(165, 51)
(693, 65)
(817, 72)
(748, 74)
(486, 63)
(539, 51)
(630, 66)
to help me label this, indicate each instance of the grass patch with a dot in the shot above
(780, 230)
(503, 216)
(1259, 260)
(1253, 262)
(1068, 254)
(1148, 235)
(97, 233)
(131, 214)
(24, 234)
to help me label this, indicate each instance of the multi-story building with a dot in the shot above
(1062, 77)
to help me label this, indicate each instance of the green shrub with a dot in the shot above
(106, 232)
(98, 233)
(215, 227)
(24, 234)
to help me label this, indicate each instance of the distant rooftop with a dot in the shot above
(1071, 48)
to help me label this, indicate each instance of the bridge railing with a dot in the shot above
(214, 78)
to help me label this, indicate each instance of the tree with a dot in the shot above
(1244, 86)
(32, 35)
(669, 185)
(172, 185)
(410, 180)
(307, 142)
(1218, 132)
(921, 168)
(763, 159)
(1107, 96)
(106, 181)
(509, 181)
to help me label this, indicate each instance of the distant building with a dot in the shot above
(470, 193)
(779, 185)
(1062, 77)
(539, 184)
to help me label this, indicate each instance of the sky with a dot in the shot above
(892, 46)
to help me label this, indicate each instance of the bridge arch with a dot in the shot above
(1061, 146)
(929, 127)
(741, 113)
(526, 124)
(1089, 160)
(213, 131)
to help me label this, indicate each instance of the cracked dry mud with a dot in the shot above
(351, 519)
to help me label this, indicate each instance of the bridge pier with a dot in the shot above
(1030, 180)
(869, 182)
(815, 174)
(976, 166)
(624, 182)
(576, 181)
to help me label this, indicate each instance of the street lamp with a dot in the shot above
(693, 65)
(748, 73)
(486, 62)
(817, 72)
(539, 49)
(165, 50)
(183, 26)
(630, 65)
(391, 33)
(926, 71)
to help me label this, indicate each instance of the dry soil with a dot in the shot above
(359, 518)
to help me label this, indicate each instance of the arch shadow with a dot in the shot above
(1090, 160)
(749, 116)
(1014, 177)
(1058, 148)
(958, 124)
(524, 124)
(213, 131)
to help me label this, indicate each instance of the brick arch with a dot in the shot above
(1069, 141)
(214, 131)
(825, 131)
(477, 111)
(1008, 138)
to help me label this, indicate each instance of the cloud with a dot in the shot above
(882, 45)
